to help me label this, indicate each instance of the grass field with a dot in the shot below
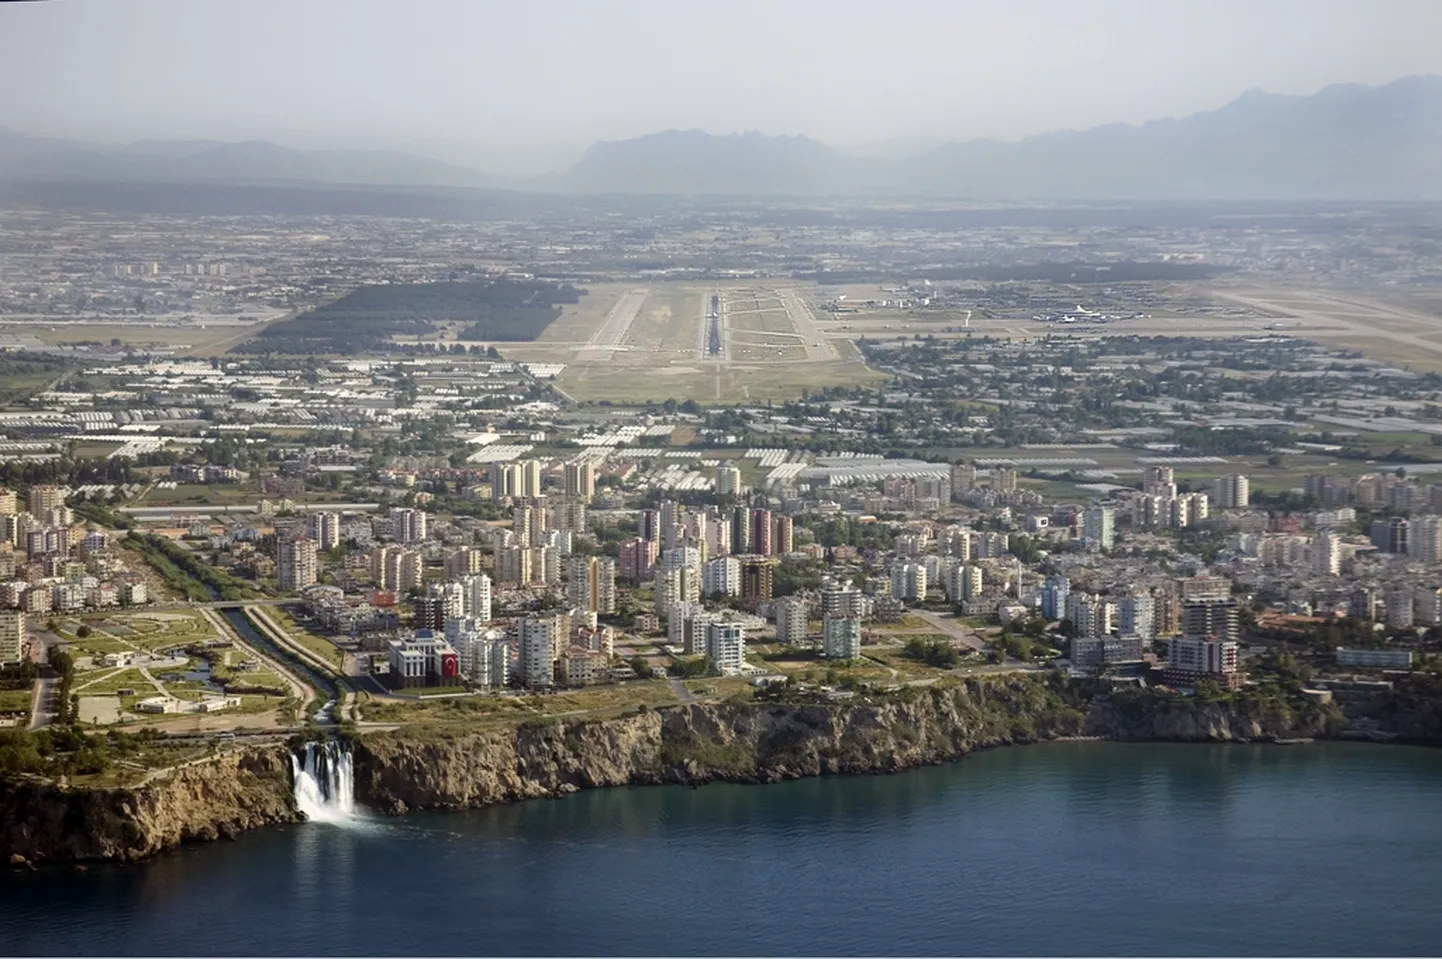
(322, 647)
(137, 334)
(15, 700)
(577, 323)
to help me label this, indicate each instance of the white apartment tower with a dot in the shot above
(324, 528)
(791, 618)
(1233, 491)
(295, 566)
(12, 636)
(841, 637)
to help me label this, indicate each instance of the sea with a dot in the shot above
(1059, 849)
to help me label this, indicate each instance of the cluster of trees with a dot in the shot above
(65, 471)
(791, 576)
(184, 572)
(368, 318)
(67, 750)
(67, 709)
(932, 653)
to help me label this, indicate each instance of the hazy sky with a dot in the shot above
(528, 72)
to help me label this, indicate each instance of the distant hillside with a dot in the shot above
(1344, 142)
(24, 156)
(695, 162)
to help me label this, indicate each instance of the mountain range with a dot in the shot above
(1345, 142)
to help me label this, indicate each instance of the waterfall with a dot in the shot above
(324, 785)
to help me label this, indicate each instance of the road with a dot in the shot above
(612, 332)
(42, 701)
(678, 687)
(818, 347)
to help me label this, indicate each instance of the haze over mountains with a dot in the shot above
(1344, 142)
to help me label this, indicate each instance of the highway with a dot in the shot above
(612, 332)
(817, 346)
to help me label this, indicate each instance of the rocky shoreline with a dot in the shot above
(750, 742)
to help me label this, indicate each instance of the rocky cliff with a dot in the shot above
(762, 741)
(767, 742)
(218, 799)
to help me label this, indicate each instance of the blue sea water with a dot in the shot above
(1061, 849)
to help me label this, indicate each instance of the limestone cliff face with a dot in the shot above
(1144, 715)
(698, 743)
(417, 768)
(219, 799)
(761, 742)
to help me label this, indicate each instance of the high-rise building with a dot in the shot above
(728, 481)
(963, 582)
(1233, 491)
(1327, 554)
(637, 559)
(506, 481)
(465, 561)
(580, 479)
(676, 584)
(324, 528)
(782, 535)
(536, 641)
(1091, 615)
(1401, 608)
(1391, 535)
(908, 581)
(843, 599)
(726, 646)
(517, 565)
(1136, 616)
(408, 525)
(430, 612)
(591, 584)
(402, 570)
(721, 576)
(841, 637)
(1424, 539)
(530, 479)
(791, 621)
(1159, 481)
(1003, 479)
(1192, 658)
(756, 581)
(295, 565)
(1098, 525)
(42, 498)
(761, 533)
(1216, 618)
(571, 514)
(1055, 591)
(476, 596)
(963, 479)
(9, 502)
(12, 636)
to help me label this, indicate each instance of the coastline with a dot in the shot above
(419, 768)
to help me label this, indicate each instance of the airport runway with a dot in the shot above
(703, 346)
(608, 337)
(812, 339)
